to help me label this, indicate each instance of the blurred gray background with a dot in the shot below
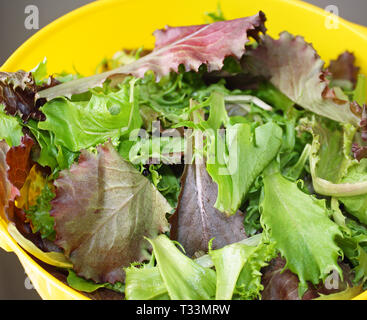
(13, 280)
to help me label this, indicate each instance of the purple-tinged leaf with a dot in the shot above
(190, 46)
(343, 68)
(295, 68)
(103, 210)
(196, 221)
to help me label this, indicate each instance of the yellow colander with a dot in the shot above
(82, 38)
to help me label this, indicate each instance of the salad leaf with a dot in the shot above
(19, 160)
(103, 209)
(31, 189)
(89, 286)
(196, 221)
(249, 153)
(169, 185)
(10, 129)
(359, 94)
(249, 284)
(50, 154)
(354, 247)
(347, 294)
(145, 283)
(295, 68)
(81, 284)
(282, 284)
(39, 214)
(343, 71)
(300, 226)
(228, 263)
(17, 94)
(52, 258)
(356, 205)
(83, 124)
(183, 277)
(7, 190)
(191, 46)
(330, 160)
(39, 73)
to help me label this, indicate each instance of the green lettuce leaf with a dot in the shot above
(300, 226)
(144, 282)
(356, 205)
(249, 153)
(249, 286)
(79, 125)
(39, 214)
(330, 159)
(39, 73)
(229, 262)
(51, 155)
(183, 277)
(10, 128)
(81, 284)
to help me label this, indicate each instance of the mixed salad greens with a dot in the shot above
(224, 164)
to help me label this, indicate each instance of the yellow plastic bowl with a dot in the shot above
(82, 38)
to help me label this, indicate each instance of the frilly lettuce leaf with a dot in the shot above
(144, 282)
(39, 214)
(356, 205)
(103, 210)
(190, 46)
(353, 245)
(300, 226)
(295, 68)
(183, 277)
(229, 262)
(249, 286)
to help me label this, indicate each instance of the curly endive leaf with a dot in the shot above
(191, 46)
(103, 210)
(296, 69)
(300, 226)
